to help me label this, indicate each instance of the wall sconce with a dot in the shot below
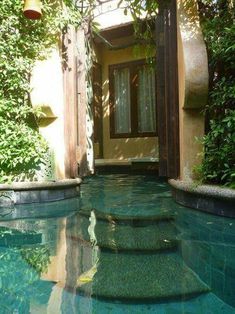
(33, 9)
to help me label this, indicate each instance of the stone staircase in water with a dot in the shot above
(134, 258)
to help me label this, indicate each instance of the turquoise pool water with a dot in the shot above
(124, 246)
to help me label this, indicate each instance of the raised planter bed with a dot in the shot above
(38, 192)
(209, 198)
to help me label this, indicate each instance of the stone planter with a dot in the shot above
(209, 198)
(38, 192)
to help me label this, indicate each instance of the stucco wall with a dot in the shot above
(108, 14)
(193, 85)
(125, 147)
(47, 93)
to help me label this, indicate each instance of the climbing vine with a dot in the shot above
(217, 18)
(22, 149)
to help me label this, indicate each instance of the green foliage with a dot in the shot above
(22, 42)
(217, 19)
(218, 165)
(23, 152)
(38, 258)
(143, 13)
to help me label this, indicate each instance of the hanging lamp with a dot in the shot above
(33, 9)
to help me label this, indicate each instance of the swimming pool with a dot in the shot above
(124, 246)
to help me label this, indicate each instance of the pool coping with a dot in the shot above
(38, 192)
(209, 198)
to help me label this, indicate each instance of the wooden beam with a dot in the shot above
(70, 103)
(167, 90)
(97, 107)
(82, 103)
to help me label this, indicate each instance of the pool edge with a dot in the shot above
(208, 198)
(38, 192)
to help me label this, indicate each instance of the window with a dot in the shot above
(132, 100)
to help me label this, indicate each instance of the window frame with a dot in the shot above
(133, 68)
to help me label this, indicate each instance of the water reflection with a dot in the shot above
(89, 260)
(23, 258)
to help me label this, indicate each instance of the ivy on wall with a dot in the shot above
(23, 151)
(22, 42)
(217, 18)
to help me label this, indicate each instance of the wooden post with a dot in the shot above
(167, 89)
(82, 102)
(70, 103)
(97, 108)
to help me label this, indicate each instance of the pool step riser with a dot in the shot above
(160, 236)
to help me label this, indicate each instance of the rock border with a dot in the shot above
(209, 198)
(38, 192)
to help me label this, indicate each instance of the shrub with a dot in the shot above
(217, 18)
(218, 165)
(22, 42)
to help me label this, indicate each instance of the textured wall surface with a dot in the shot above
(192, 56)
(193, 85)
(47, 94)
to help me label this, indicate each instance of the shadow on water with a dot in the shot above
(123, 247)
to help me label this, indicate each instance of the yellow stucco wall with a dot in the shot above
(126, 147)
(110, 13)
(47, 93)
(193, 85)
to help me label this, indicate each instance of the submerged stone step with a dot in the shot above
(140, 276)
(129, 236)
(162, 215)
(207, 303)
